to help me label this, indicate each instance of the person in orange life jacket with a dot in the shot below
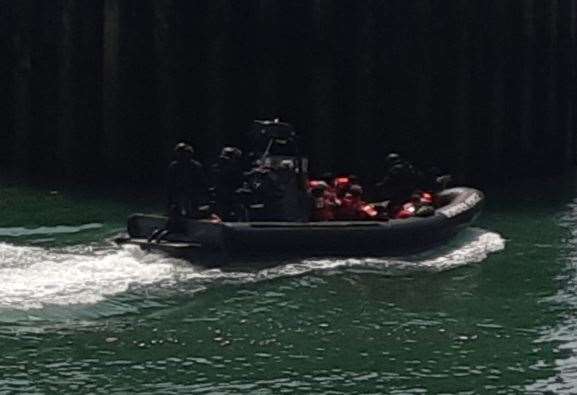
(329, 179)
(409, 208)
(420, 205)
(325, 181)
(354, 208)
(427, 205)
(323, 202)
(342, 185)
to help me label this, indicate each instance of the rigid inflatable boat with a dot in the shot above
(210, 243)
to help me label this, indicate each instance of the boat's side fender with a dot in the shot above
(459, 201)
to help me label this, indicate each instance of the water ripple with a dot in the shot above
(47, 230)
(562, 337)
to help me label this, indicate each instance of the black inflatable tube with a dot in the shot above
(459, 207)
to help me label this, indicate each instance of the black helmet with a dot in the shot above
(183, 147)
(231, 153)
(393, 158)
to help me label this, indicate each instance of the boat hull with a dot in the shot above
(200, 239)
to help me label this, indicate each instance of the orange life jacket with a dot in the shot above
(341, 186)
(427, 198)
(407, 210)
(354, 208)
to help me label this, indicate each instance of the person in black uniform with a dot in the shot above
(434, 180)
(185, 190)
(399, 183)
(186, 182)
(227, 176)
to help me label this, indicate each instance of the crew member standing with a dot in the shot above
(185, 182)
(227, 177)
(400, 182)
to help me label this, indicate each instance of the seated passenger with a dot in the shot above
(342, 185)
(426, 205)
(329, 191)
(353, 207)
(420, 205)
(323, 201)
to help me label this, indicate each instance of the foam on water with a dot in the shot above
(473, 245)
(34, 277)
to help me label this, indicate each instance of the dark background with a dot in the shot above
(100, 90)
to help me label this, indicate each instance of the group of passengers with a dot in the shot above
(403, 192)
(234, 186)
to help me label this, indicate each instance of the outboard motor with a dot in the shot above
(279, 177)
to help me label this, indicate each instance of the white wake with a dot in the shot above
(33, 277)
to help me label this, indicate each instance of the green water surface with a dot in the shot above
(79, 315)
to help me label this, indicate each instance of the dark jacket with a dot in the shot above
(185, 180)
(227, 176)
